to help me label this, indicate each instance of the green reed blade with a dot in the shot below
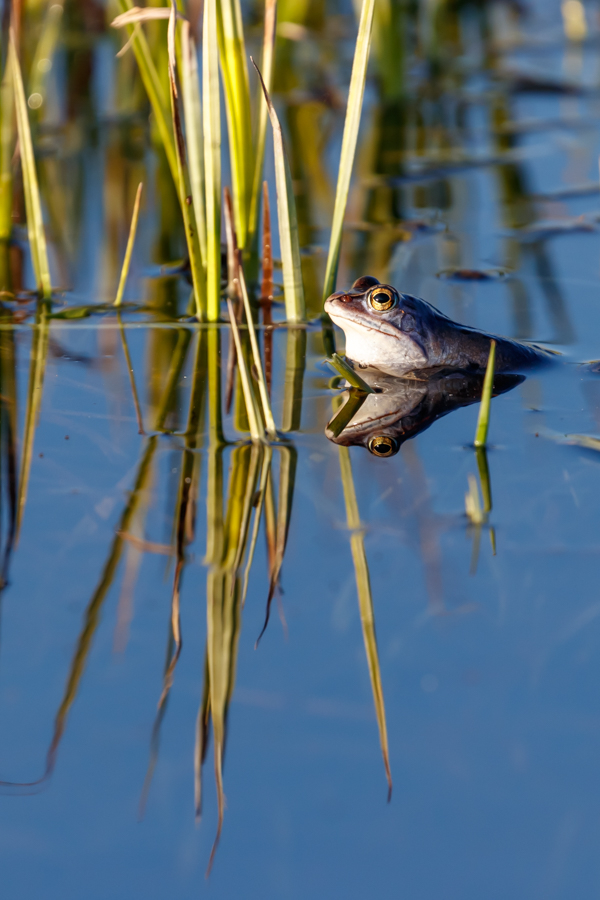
(37, 369)
(352, 377)
(256, 431)
(130, 242)
(35, 222)
(287, 219)
(44, 53)
(183, 182)
(258, 365)
(192, 107)
(483, 419)
(365, 603)
(7, 142)
(350, 137)
(211, 111)
(237, 103)
(150, 78)
(266, 66)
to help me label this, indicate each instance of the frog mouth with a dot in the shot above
(380, 325)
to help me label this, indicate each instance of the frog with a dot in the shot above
(400, 335)
(401, 408)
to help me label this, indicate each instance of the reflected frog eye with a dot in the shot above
(382, 298)
(383, 445)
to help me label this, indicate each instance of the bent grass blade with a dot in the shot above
(256, 431)
(365, 603)
(352, 377)
(349, 140)
(129, 249)
(287, 219)
(35, 222)
(150, 78)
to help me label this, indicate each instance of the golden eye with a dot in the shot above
(382, 445)
(382, 298)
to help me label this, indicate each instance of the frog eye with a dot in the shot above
(383, 445)
(382, 298)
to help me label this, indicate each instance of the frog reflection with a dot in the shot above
(401, 408)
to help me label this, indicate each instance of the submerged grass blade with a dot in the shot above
(295, 364)
(37, 368)
(287, 219)
(266, 66)
(345, 413)
(130, 243)
(350, 137)
(256, 431)
(262, 384)
(352, 377)
(287, 480)
(129, 364)
(365, 603)
(211, 112)
(35, 222)
(483, 419)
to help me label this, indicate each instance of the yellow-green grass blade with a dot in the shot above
(256, 431)
(183, 185)
(295, 362)
(365, 603)
(258, 365)
(266, 66)
(35, 222)
(43, 56)
(192, 107)
(483, 419)
(7, 142)
(150, 78)
(349, 139)
(237, 103)
(352, 377)
(130, 242)
(37, 368)
(287, 219)
(211, 117)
